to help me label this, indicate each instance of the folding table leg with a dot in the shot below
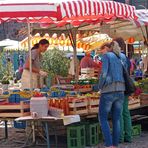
(6, 129)
(47, 134)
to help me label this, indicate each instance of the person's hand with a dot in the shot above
(43, 73)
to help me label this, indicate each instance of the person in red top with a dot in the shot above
(87, 62)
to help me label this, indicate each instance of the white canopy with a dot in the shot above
(9, 42)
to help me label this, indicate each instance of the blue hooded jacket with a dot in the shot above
(112, 69)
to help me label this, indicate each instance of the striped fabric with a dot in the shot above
(142, 17)
(20, 10)
(74, 8)
(75, 12)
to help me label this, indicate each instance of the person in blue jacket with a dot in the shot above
(112, 87)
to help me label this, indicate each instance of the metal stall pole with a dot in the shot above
(72, 36)
(126, 48)
(30, 56)
(75, 53)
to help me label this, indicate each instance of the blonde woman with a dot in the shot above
(112, 87)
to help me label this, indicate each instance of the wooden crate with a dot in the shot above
(93, 106)
(14, 110)
(91, 72)
(134, 103)
(78, 106)
(143, 99)
(56, 112)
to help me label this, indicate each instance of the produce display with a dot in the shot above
(143, 84)
(85, 81)
(83, 104)
(70, 99)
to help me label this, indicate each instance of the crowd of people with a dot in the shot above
(113, 101)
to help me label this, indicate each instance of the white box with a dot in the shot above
(39, 105)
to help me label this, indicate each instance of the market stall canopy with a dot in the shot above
(95, 41)
(14, 47)
(89, 41)
(142, 17)
(28, 9)
(9, 42)
(78, 12)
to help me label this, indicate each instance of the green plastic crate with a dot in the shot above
(76, 136)
(136, 130)
(92, 134)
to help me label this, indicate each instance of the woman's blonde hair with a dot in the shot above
(115, 47)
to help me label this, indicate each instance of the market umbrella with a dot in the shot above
(142, 17)
(27, 10)
(9, 42)
(88, 43)
(95, 41)
(143, 21)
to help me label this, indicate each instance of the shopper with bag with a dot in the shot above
(112, 87)
(125, 122)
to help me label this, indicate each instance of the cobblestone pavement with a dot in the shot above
(138, 142)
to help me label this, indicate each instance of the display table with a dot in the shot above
(45, 121)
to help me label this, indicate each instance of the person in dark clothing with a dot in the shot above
(125, 122)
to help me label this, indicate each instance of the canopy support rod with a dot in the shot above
(30, 56)
(72, 36)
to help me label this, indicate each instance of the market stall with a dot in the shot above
(73, 97)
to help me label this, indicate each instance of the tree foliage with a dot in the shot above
(6, 68)
(3, 69)
(55, 62)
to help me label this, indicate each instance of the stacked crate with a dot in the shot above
(144, 99)
(14, 109)
(89, 72)
(78, 106)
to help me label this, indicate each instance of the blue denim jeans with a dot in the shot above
(111, 103)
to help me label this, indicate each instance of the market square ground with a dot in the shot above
(138, 142)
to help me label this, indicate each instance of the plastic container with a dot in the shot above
(39, 105)
(136, 130)
(20, 124)
(76, 136)
(92, 134)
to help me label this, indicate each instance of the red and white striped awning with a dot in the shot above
(62, 12)
(28, 9)
(76, 12)
(142, 17)
(74, 8)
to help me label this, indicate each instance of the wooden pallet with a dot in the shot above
(78, 106)
(93, 106)
(14, 110)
